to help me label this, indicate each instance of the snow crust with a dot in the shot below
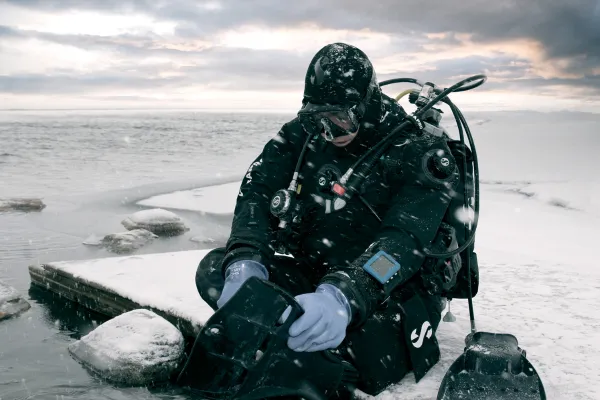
(157, 221)
(218, 199)
(581, 196)
(126, 242)
(11, 302)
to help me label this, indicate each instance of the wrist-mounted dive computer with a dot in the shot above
(382, 266)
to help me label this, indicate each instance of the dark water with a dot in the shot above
(91, 168)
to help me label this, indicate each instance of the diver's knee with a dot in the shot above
(209, 276)
(211, 263)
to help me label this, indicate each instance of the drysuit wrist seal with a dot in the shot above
(243, 252)
(359, 308)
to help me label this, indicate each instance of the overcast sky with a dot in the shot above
(253, 54)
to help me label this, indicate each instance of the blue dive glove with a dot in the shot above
(236, 274)
(323, 325)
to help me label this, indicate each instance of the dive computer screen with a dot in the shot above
(381, 266)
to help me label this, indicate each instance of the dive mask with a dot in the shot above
(333, 121)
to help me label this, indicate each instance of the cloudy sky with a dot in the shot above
(252, 54)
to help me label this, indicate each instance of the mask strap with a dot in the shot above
(327, 128)
(362, 106)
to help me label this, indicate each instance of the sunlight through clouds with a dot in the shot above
(129, 53)
(304, 38)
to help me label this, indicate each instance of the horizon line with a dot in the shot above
(263, 110)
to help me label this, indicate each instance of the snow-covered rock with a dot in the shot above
(156, 220)
(21, 204)
(11, 302)
(136, 348)
(202, 240)
(93, 240)
(126, 242)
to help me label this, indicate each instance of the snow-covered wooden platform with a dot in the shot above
(163, 283)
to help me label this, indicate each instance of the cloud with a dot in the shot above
(564, 28)
(178, 47)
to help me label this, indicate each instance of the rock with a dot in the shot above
(203, 240)
(156, 220)
(136, 348)
(21, 204)
(126, 242)
(11, 302)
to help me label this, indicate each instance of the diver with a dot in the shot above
(355, 266)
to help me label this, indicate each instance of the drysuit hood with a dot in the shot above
(341, 76)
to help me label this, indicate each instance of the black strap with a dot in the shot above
(419, 336)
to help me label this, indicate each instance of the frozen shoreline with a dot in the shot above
(538, 282)
(220, 199)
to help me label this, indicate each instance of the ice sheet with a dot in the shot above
(219, 199)
(582, 196)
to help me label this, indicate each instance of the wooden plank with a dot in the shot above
(97, 298)
(116, 285)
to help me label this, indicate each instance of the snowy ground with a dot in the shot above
(539, 281)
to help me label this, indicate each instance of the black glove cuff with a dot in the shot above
(358, 304)
(243, 253)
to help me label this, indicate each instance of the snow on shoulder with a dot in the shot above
(136, 348)
(217, 199)
(11, 302)
(157, 221)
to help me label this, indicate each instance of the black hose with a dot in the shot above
(366, 203)
(301, 157)
(436, 89)
(453, 88)
(464, 88)
(385, 141)
(401, 80)
(461, 121)
(469, 242)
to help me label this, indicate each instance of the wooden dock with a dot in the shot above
(163, 283)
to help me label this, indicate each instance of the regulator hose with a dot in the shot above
(463, 127)
(480, 79)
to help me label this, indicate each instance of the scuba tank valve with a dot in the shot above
(425, 95)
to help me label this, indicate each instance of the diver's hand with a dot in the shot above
(238, 273)
(323, 324)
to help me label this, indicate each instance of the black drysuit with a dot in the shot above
(333, 246)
